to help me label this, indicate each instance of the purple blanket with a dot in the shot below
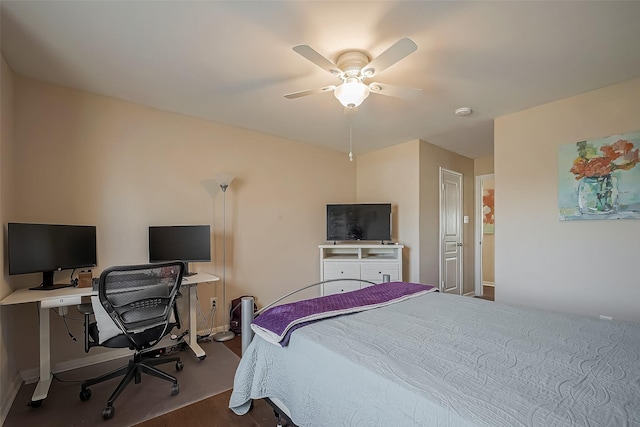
(276, 324)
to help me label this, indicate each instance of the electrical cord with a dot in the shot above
(204, 319)
(64, 319)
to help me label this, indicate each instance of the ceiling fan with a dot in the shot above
(353, 68)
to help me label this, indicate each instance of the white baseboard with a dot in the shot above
(9, 397)
(470, 294)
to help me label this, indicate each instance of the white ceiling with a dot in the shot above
(232, 61)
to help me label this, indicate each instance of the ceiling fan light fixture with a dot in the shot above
(352, 92)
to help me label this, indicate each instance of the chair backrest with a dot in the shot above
(141, 298)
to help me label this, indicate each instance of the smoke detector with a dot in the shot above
(463, 111)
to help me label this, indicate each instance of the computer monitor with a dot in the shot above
(46, 248)
(187, 243)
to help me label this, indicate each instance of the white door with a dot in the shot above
(451, 232)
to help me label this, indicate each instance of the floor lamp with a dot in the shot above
(225, 335)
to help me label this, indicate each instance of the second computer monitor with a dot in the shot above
(187, 243)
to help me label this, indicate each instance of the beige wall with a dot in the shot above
(407, 175)
(483, 166)
(391, 175)
(587, 267)
(432, 158)
(87, 159)
(8, 375)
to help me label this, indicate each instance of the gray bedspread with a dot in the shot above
(445, 360)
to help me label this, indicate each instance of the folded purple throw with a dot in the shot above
(276, 324)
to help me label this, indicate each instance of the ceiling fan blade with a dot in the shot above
(317, 59)
(395, 91)
(302, 93)
(393, 54)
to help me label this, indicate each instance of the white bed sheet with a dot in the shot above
(445, 360)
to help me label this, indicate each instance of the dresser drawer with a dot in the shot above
(375, 271)
(340, 270)
(339, 287)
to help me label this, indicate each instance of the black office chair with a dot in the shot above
(141, 301)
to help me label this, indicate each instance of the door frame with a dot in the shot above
(478, 234)
(441, 230)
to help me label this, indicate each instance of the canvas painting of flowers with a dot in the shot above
(600, 178)
(488, 214)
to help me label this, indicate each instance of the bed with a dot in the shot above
(438, 359)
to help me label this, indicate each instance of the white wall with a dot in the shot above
(588, 267)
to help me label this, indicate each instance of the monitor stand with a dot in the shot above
(51, 287)
(187, 272)
(47, 283)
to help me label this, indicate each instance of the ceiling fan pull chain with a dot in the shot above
(350, 144)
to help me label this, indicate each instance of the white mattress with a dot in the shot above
(445, 360)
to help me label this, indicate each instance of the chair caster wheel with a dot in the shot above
(179, 366)
(202, 357)
(35, 403)
(85, 394)
(108, 412)
(175, 389)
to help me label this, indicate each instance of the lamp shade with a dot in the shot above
(352, 92)
(223, 178)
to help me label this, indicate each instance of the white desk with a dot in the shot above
(73, 296)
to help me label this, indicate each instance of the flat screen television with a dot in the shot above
(360, 221)
(46, 248)
(186, 243)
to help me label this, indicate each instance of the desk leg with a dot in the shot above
(192, 341)
(42, 388)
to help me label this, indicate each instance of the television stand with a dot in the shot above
(366, 261)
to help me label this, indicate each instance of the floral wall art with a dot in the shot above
(488, 215)
(599, 178)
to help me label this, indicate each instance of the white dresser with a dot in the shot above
(358, 261)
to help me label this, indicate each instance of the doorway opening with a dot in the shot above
(485, 241)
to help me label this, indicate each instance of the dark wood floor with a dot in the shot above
(488, 293)
(214, 411)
